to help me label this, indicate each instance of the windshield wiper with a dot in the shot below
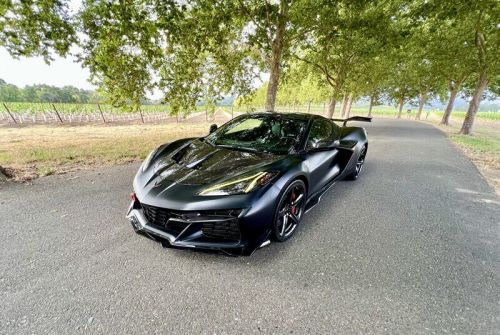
(237, 148)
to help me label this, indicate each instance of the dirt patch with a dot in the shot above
(28, 152)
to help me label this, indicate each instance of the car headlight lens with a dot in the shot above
(241, 184)
(148, 160)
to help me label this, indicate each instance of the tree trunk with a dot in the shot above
(370, 106)
(400, 110)
(331, 107)
(275, 65)
(349, 105)
(449, 108)
(343, 105)
(481, 85)
(421, 102)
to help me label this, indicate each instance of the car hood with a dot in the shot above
(198, 163)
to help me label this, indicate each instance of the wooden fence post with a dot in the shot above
(102, 115)
(309, 107)
(8, 111)
(232, 112)
(142, 118)
(59, 116)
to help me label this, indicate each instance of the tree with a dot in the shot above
(195, 50)
(488, 62)
(372, 79)
(453, 59)
(277, 26)
(45, 93)
(347, 36)
(9, 92)
(36, 28)
(442, 42)
(474, 26)
(122, 48)
(297, 87)
(400, 88)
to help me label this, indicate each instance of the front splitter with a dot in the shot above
(141, 225)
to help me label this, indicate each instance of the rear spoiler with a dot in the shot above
(354, 118)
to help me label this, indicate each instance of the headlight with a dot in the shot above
(241, 184)
(148, 159)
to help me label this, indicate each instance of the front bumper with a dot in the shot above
(192, 233)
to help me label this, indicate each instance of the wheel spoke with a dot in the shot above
(294, 218)
(283, 211)
(297, 200)
(285, 221)
(288, 216)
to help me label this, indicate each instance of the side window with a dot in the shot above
(322, 131)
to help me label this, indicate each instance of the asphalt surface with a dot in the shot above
(411, 247)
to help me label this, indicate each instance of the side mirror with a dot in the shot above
(325, 145)
(212, 128)
(334, 144)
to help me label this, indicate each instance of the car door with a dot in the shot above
(321, 156)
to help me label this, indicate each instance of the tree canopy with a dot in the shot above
(201, 50)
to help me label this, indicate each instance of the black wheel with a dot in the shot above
(290, 209)
(359, 165)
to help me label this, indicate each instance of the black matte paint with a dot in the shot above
(182, 169)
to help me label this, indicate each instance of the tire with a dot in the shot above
(290, 209)
(359, 164)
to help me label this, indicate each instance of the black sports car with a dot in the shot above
(246, 183)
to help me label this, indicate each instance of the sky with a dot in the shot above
(33, 70)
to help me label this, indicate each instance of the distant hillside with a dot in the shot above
(46, 93)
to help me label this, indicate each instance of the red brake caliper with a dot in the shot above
(293, 209)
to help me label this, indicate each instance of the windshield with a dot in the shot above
(262, 133)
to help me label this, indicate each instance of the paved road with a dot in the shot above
(411, 247)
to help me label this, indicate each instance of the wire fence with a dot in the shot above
(95, 113)
(12, 113)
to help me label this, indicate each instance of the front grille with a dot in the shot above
(226, 229)
(161, 217)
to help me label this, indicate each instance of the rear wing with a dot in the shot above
(354, 118)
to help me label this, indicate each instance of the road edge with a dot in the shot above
(494, 187)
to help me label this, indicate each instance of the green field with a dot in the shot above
(391, 111)
(78, 109)
(64, 108)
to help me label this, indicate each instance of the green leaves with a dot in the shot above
(202, 50)
(122, 48)
(36, 28)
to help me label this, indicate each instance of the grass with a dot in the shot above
(43, 150)
(481, 142)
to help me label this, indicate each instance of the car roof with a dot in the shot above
(303, 116)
